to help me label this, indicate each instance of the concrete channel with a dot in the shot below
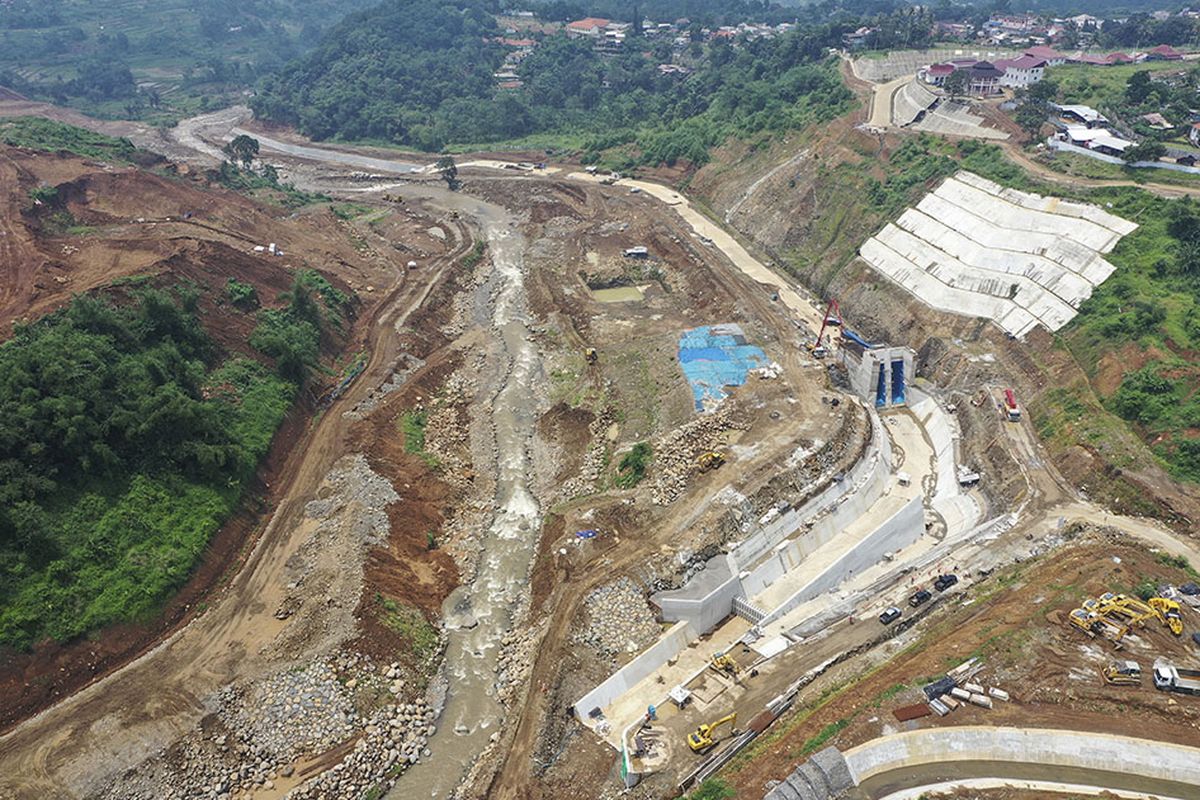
(885, 766)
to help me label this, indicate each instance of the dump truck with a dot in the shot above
(1010, 406)
(1170, 678)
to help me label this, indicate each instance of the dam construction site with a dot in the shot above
(778, 476)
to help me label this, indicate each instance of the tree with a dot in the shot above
(1138, 87)
(243, 148)
(956, 83)
(448, 170)
(1144, 151)
(1031, 116)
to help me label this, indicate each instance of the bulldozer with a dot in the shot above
(710, 460)
(701, 740)
(1123, 673)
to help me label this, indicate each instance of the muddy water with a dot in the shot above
(479, 614)
(619, 294)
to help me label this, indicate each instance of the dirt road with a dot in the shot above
(74, 746)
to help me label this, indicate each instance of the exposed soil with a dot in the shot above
(1014, 624)
(138, 227)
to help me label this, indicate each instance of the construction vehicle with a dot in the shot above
(1137, 612)
(723, 662)
(833, 316)
(710, 460)
(1170, 678)
(590, 355)
(1123, 673)
(701, 740)
(1010, 406)
(1095, 625)
(1169, 612)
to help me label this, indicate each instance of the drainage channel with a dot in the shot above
(478, 614)
(895, 782)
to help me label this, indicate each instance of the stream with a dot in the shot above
(479, 614)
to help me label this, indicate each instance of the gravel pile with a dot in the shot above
(405, 366)
(296, 711)
(587, 481)
(619, 619)
(676, 452)
(257, 732)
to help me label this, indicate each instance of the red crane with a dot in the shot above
(833, 316)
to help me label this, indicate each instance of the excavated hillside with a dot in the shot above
(809, 202)
(72, 225)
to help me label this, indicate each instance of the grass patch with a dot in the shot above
(410, 623)
(816, 742)
(348, 211)
(412, 427)
(712, 789)
(35, 133)
(471, 259)
(633, 465)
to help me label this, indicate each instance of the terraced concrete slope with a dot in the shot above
(973, 247)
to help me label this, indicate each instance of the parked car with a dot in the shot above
(890, 616)
(922, 596)
(944, 582)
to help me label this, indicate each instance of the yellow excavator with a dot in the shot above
(1169, 612)
(723, 662)
(710, 460)
(1091, 623)
(1137, 612)
(590, 355)
(702, 740)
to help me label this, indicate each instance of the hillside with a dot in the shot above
(150, 357)
(1112, 393)
(156, 61)
(421, 74)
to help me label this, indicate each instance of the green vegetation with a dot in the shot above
(242, 295)
(712, 789)
(824, 735)
(36, 133)
(420, 74)
(348, 211)
(154, 61)
(121, 453)
(632, 467)
(265, 185)
(1180, 563)
(411, 624)
(412, 426)
(471, 259)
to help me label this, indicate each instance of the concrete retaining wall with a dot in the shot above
(877, 457)
(707, 599)
(901, 530)
(1067, 147)
(1152, 759)
(671, 644)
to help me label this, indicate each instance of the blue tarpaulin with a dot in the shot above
(716, 356)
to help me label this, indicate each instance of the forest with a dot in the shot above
(126, 439)
(420, 74)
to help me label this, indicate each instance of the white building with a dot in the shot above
(1021, 73)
